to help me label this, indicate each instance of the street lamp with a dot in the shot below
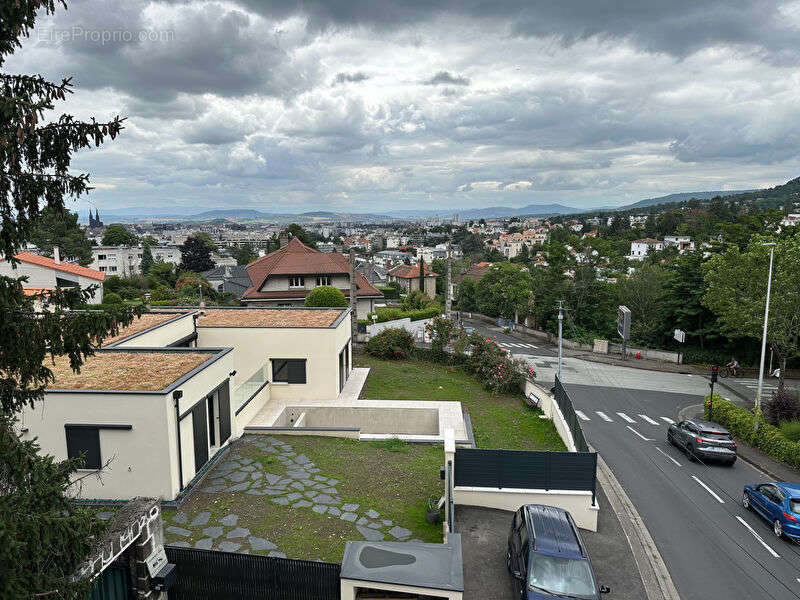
(764, 336)
(560, 321)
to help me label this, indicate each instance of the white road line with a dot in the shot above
(668, 456)
(604, 416)
(648, 419)
(709, 490)
(668, 420)
(626, 417)
(639, 434)
(581, 415)
(758, 537)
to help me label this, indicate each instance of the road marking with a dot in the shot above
(668, 420)
(709, 490)
(668, 456)
(649, 420)
(582, 415)
(626, 417)
(639, 434)
(758, 537)
(604, 416)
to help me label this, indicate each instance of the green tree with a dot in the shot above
(326, 295)
(504, 290)
(206, 237)
(162, 273)
(643, 293)
(60, 228)
(44, 536)
(117, 235)
(149, 240)
(245, 254)
(297, 231)
(421, 263)
(147, 259)
(471, 244)
(682, 303)
(737, 287)
(195, 255)
(465, 295)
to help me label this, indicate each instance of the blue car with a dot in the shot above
(779, 503)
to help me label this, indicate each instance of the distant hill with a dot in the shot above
(491, 212)
(681, 197)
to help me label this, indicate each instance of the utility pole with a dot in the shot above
(764, 336)
(353, 301)
(560, 321)
(448, 301)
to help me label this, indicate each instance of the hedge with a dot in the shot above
(740, 422)
(389, 292)
(392, 314)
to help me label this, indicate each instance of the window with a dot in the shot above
(139, 255)
(289, 370)
(112, 269)
(84, 442)
(101, 257)
(297, 282)
(324, 280)
(112, 257)
(102, 269)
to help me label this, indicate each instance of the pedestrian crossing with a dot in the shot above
(753, 384)
(513, 345)
(631, 419)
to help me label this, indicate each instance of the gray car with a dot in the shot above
(703, 440)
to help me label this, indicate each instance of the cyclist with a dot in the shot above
(733, 367)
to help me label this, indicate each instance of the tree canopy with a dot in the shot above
(60, 228)
(504, 290)
(117, 235)
(326, 295)
(195, 255)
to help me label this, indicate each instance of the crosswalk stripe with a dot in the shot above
(626, 417)
(668, 420)
(582, 415)
(604, 416)
(649, 420)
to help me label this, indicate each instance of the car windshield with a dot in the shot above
(559, 575)
(794, 505)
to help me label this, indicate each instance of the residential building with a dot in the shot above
(640, 248)
(475, 272)
(284, 277)
(408, 278)
(232, 279)
(45, 273)
(682, 242)
(127, 260)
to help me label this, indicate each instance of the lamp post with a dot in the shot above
(764, 336)
(560, 321)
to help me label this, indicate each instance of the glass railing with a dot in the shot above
(248, 388)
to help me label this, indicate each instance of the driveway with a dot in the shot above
(484, 532)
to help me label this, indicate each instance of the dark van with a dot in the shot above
(547, 558)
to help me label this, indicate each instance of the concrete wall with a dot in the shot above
(578, 503)
(162, 335)
(411, 421)
(552, 411)
(414, 327)
(350, 588)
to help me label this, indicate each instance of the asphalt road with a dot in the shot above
(692, 510)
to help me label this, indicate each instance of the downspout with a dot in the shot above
(176, 396)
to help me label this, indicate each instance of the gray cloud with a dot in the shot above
(350, 77)
(446, 78)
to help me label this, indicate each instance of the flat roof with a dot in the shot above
(149, 370)
(141, 323)
(269, 317)
(418, 564)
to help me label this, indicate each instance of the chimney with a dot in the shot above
(56, 255)
(283, 238)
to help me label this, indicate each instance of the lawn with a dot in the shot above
(498, 420)
(272, 510)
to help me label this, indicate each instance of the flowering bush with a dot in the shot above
(495, 367)
(392, 344)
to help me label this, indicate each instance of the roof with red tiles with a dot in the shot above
(298, 259)
(44, 261)
(410, 271)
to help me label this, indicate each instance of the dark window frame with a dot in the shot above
(77, 436)
(282, 372)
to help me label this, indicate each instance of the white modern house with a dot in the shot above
(45, 273)
(640, 248)
(127, 260)
(682, 242)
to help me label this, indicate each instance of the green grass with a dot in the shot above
(392, 477)
(498, 420)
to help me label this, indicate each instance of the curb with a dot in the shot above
(652, 569)
(731, 389)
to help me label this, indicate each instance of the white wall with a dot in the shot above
(37, 276)
(162, 335)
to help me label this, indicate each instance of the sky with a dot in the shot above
(381, 105)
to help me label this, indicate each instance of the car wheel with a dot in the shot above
(670, 441)
(746, 501)
(690, 454)
(777, 527)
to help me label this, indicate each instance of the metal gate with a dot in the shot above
(114, 583)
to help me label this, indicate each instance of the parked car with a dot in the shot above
(779, 503)
(547, 557)
(703, 440)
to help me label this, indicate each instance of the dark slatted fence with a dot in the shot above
(214, 575)
(574, 424)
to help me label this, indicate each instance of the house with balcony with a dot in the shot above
(286, 276)
(45, 273)
(127, 260)
(640, 248)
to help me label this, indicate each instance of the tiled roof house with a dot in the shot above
(48, 273)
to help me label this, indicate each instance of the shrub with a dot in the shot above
(768, 438)
(389, 292)
(782, 406)
(112, 298)
(392, 314)
(326, 295)
(162, 292)
(416, 300)
(495, 367)
(392, 344)
(791, 430)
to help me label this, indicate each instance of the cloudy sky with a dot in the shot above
(377, 105)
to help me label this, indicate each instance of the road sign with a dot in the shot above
(624, 322)
(680, 335)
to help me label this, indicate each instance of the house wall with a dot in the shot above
(280, 283)
(42, 277)
(162, 335)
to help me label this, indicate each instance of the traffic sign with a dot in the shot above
(624, 322)
(680, 335)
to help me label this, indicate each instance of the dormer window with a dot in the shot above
(298, 281)
(323, 280)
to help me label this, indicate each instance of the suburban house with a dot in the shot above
(640, 248)
(168, 392)
(682, 242)
(408, 278)
(233, 279)
(475, 272)
(284, 277)
(45, 273)
(127, 260)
